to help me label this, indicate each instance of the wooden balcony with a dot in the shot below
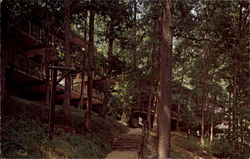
(33, 30)
(25, 65)
(95, 93)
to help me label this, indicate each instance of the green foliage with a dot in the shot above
(222, 148)
(189, 143)
(26, 137)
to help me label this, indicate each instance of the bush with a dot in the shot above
(26, 137)
(222, 148)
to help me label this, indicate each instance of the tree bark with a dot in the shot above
(212, 122)
(165, 93)
(149, 109)
(46, 61)
(234, 120)
(229, 114)
(4, 48)
(67, 93)
(179, 105)
(80, 106)
(110, 53)
(90, 68)
(205, 92)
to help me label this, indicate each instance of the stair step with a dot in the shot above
(126, 144)
(131, 149)
(125, 141)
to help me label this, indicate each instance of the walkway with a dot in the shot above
(126, 146)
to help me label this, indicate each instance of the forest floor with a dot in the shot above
(24, 135)
(182, 147)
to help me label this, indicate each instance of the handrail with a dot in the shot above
(33, 30)
(96, 94)
(26, 65)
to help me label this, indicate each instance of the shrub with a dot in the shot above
(222, 148)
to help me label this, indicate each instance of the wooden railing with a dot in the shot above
(33, 30)
(26, 65)
(95, 93)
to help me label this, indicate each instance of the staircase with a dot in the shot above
(128, 142)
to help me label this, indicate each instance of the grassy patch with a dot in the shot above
(189, 143)
(23, 136)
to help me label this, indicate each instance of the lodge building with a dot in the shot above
(30, 50)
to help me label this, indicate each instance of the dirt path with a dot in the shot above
(126, 146)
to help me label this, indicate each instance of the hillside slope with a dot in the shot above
(182, 147)
(26, 136)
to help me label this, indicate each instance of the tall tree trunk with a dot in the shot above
(2, 72)
(80, 106)
(155, 122)
(3, 46)
(110, 53)
(135, 30)
(234, 120)
(67, 93)
(90, 69)
(149, 109)
(165, 95)
(229, 114)
(46, 60)
(179, 105)
(205, 92)
(212, 122)
(47, 76)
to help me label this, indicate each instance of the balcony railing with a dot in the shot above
(26, 65)
(95, 93)
(33, 30)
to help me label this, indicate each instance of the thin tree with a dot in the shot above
(66, 102)
(90, 69)
(80, 106)
(165, 93)
(110, 53)
(3, 52)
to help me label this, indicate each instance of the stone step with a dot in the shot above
(127, 141)
(126, 148)
(122, 144)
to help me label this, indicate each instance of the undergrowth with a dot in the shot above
(24, 136)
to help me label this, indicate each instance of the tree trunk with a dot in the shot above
(3, 53)
(165, 93)
(2, 74)
(149, 109)
(80, 106)
(155, 122)
(202, 124)
(212, 122)
(106, 98)
(205, 92)
(229, 115)
(234, 120)
(67, 93)
(107, 91)
(179, 107)
(46, 62)
(47, 74)
(90, 69)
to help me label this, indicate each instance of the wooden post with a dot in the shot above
(52, 102)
